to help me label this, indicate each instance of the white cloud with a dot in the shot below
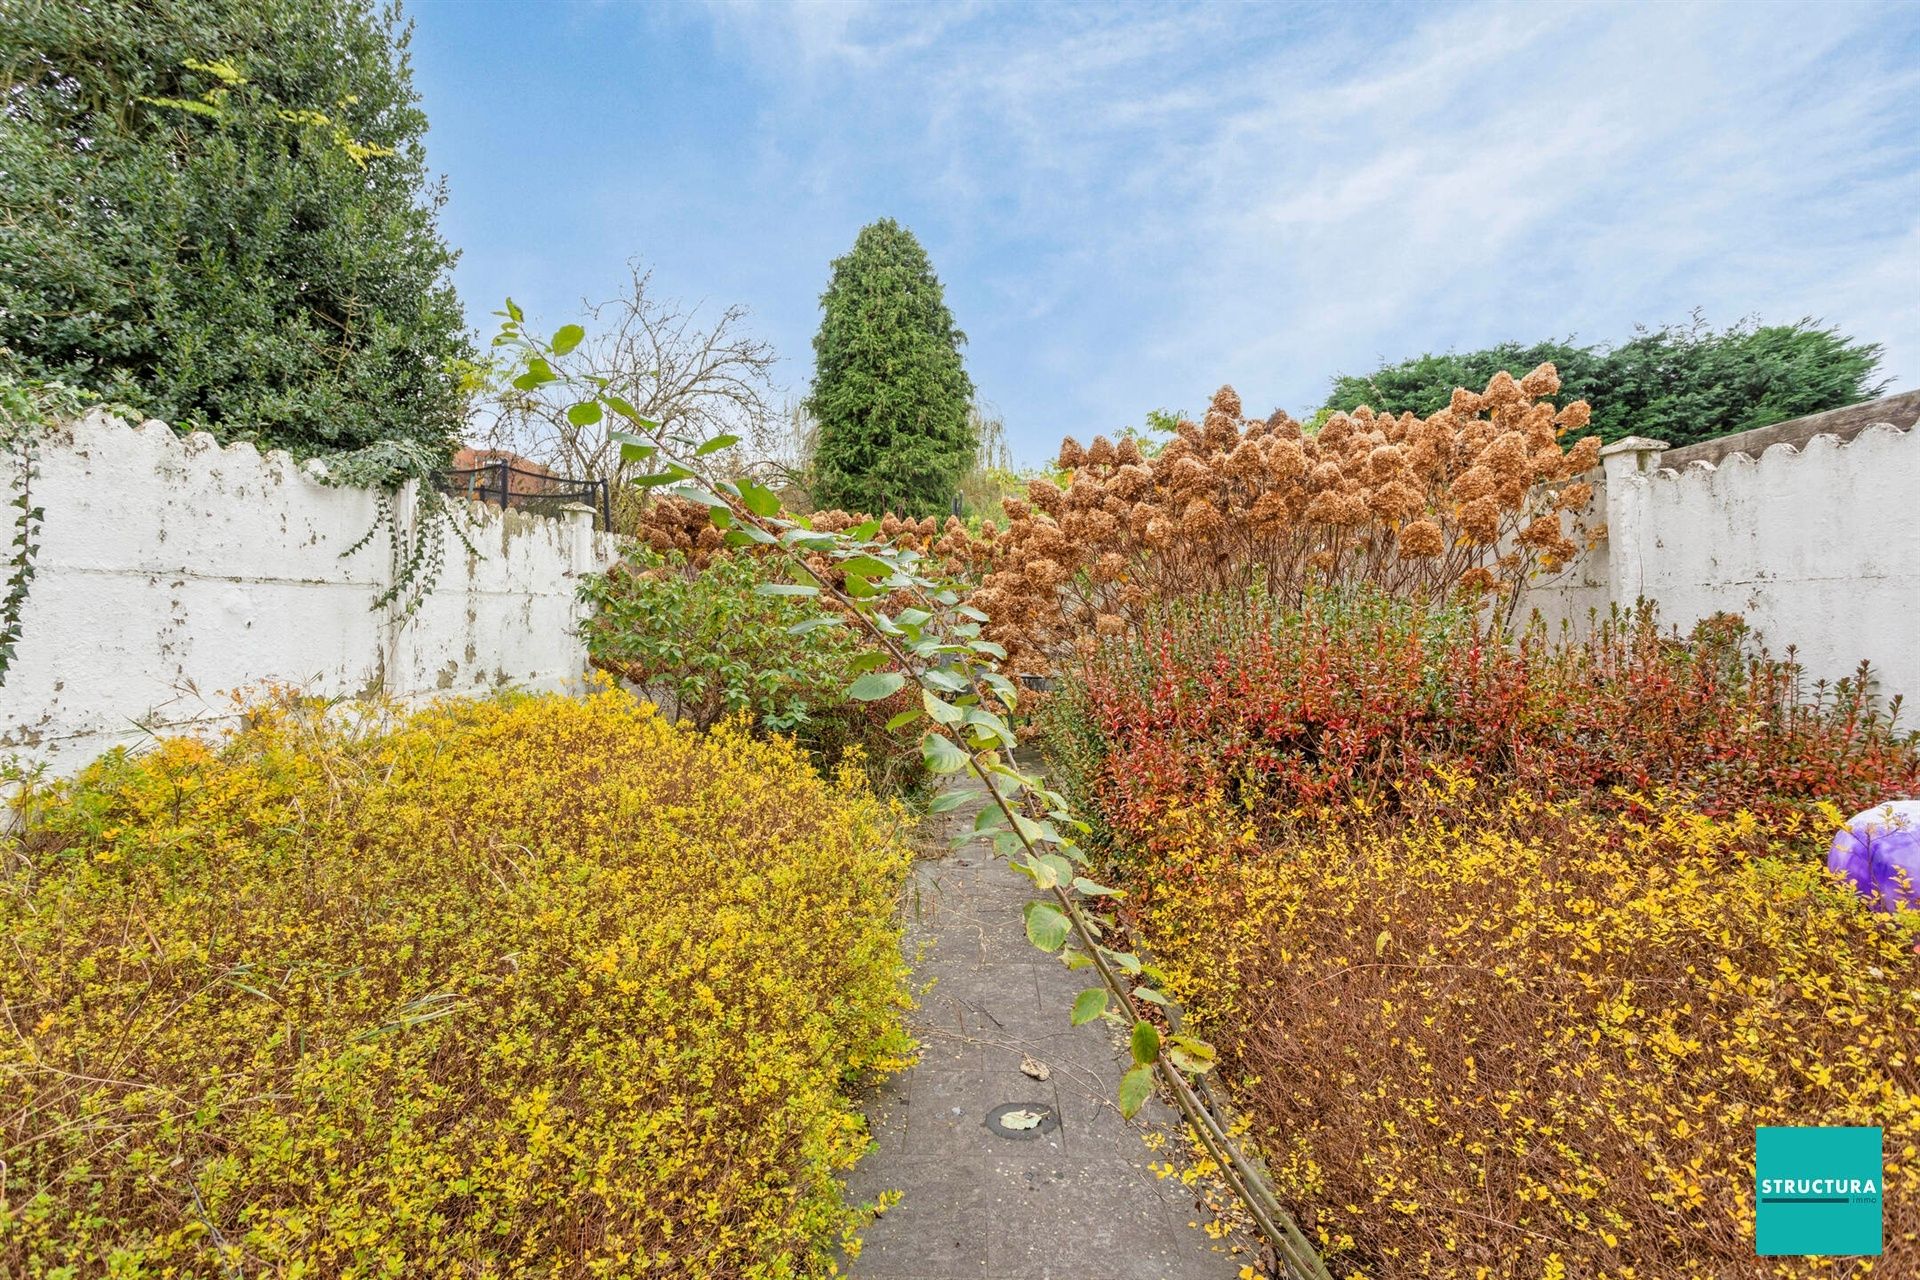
(1156, 200)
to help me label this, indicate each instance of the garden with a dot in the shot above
(1457, 944)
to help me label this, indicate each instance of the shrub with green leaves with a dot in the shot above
(219, 211)
(723, 639)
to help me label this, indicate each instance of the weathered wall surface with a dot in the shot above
(1809, 533)
(173, 572)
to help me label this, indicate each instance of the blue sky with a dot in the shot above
(1132, 205)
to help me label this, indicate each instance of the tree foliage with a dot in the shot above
(1679, 383)
(891, 398)
(218, 210)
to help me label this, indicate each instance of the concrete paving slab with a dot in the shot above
(1079, 1203)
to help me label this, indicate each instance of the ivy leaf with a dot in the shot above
(1135, 1088)
(876, 685)
(715, 445)
(942, 754)
(1047, 928)
(1145, 1043)
(566, 338)
(1088, 1005)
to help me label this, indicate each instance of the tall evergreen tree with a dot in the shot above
(890, 395)
(218, 211)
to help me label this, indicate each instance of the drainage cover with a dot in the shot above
(1022, 1120)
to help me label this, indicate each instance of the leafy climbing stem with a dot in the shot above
(923, 631)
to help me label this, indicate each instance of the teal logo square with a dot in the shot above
(1816, 1190)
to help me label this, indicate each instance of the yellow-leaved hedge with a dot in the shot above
(533, 986)
(1524, 1040)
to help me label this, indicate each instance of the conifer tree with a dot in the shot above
(891, 398)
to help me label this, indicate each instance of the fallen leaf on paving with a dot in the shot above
(1022, 1119)
(1034, 1067)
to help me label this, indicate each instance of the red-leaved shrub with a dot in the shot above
(1340, 710)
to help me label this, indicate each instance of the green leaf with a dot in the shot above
(946, 801)
(566, 338)
(697, 493)
(1135, 1088)
(860, 589)
(626, 410)
(872, 661)
(867, 566)
(876, 685)
(746, 532)
(715, 445)
(1145, 1043)
(942, 711)
(1088, 1005)
(584, 414)
(785, 589)
(942, 754)
(1054, 869)
(1151, 997)
(944, 680)
(513, 309)
(1047, 927)
(1093, 890)
(807, 625)
(760, 500)
(1192, 1056)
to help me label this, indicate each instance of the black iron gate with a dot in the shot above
(506, 485)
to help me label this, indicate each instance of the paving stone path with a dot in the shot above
(1075, 1203)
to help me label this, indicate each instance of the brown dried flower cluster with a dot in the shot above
(1471, 498)
(675, 524)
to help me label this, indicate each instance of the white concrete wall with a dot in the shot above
(172, 573)
(1815, 543)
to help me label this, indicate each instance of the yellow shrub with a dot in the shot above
(1539, 1042)
(533, 986)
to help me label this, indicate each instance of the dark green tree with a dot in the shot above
(218, 211)
(1679, 383)
(890, 395)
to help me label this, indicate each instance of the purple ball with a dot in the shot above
(1879, 852)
